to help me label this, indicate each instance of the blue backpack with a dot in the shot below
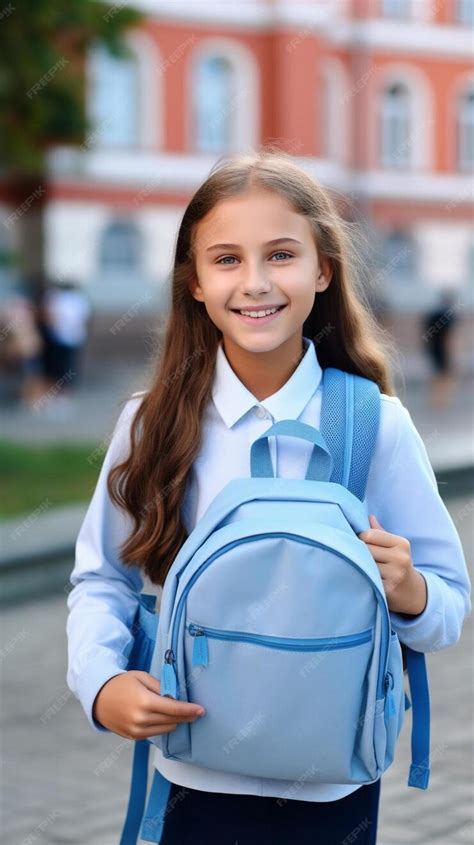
(274, 618)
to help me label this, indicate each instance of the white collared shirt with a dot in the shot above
(401, 491)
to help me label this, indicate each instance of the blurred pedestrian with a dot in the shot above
(23, 346)
(65, 316)
(438, 337)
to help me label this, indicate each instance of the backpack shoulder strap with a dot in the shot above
(350, 415)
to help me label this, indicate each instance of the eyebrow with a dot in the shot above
(269, 243)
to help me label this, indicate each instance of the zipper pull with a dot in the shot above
(168, 676)
(200, 649)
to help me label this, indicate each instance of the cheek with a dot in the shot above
(218, 297)
(298, 281)
(301, 293)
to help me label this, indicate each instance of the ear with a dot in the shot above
(324, 275)
(196, 291)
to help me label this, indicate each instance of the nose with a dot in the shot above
(255, 282)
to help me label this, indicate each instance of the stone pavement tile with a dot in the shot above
(466, 832)
(401, 836)
(92, 824)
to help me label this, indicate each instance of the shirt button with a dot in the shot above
(260, 412)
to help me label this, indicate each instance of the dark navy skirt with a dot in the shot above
(195, 817)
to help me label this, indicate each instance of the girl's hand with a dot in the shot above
(405, 587)
(130, 705)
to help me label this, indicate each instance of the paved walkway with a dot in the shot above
(63, 783)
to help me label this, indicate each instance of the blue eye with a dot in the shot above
(223, 258)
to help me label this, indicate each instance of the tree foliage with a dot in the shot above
(43, 47)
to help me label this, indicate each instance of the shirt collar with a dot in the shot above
(232, 399)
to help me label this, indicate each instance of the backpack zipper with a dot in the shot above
(201, 633)
(170, 686)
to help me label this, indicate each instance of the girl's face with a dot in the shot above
(255, 252)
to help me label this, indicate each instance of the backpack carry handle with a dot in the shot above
(321, 462)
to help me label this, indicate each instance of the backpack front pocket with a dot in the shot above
(278, 707)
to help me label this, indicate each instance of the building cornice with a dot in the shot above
(156, 172)
(328, 20)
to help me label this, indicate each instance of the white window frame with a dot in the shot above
(149, 129)
(399, 121)
(465, 131)
(108, 267)
(246, 107)
(338, 99)
(421, 138)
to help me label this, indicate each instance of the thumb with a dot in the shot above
(374, 521)
(148, 681)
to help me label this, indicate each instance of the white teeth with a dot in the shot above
(259, 313)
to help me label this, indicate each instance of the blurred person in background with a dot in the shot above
(22, 347)
(65, 314)
(438, 337)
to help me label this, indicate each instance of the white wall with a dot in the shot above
(444, 253)
(73, 233)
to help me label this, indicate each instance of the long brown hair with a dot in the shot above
(166, 431)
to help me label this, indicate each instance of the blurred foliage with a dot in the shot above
(59, 473)
(44, 44)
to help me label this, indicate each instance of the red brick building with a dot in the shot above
(374, 98)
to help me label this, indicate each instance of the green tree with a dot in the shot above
(43, 49)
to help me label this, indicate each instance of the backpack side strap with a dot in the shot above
(154, 818)
(147, 823)
(350, 417)
(420, 732)
(137, 795)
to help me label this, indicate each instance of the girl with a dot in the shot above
(263, 298)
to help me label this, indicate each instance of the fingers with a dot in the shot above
(379, 537)
(380, 554)
(145, 731)
(148, 681)
(157, 723)
(157, 718)
(179, 711)
(159, 707)
(156, 703)
(149, 724)
(152, 730)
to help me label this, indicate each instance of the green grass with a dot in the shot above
(60, 473)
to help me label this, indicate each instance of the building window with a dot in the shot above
(396, 125)
(214, 106)
(465, 12)
(113, 100)
(120, 248)
(396, 8)
(399, 256)
(465, 131)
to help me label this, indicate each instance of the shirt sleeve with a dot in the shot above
(105, 595)
(406, 501)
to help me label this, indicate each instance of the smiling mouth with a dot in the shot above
(258, 313)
